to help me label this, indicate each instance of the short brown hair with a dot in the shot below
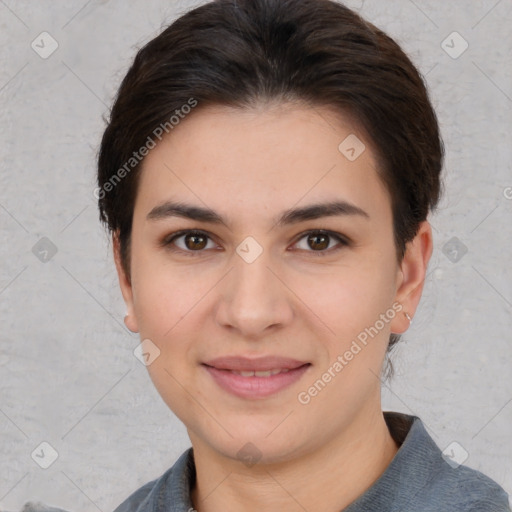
(241, 53)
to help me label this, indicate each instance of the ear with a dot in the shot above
(411, 276)
(130, 319)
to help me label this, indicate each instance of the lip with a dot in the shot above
(255, 387)
(241, 363)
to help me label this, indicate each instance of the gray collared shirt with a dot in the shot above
(418, 478)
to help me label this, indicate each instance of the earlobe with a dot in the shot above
(413, 269)
(130, 319)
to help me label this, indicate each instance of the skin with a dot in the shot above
(290, 301)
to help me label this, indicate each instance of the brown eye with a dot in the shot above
(195, 241)
(319, 242)
(188, 242)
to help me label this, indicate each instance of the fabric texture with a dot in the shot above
(418, 478)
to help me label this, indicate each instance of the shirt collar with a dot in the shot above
(414, 462)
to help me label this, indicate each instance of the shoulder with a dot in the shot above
(467, 490)
(172, 487)
(140, 500)
(426, 479)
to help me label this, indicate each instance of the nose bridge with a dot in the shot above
(251, 274)
(253, 298)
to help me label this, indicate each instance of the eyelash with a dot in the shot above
(167, 242)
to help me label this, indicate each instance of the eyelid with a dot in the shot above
(168, 240)
(342, 239)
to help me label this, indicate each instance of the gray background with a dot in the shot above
(68, 375)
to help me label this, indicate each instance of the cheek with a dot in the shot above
(356, 304)
(168, 301)
(165, 295)
(350, 298)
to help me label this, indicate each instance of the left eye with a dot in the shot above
(320, 241)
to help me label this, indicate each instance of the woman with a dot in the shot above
(267, 173)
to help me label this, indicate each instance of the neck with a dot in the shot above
(338, 472)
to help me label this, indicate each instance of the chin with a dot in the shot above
(259, 445)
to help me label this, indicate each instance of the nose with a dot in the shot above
(254, 298)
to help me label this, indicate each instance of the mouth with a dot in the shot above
(258, 364)
(254, 373)
(255, 378)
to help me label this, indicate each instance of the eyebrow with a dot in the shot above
(288, 217)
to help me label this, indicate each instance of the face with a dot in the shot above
(246, 275)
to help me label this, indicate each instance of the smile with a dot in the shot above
(266, 373)
(255, 384)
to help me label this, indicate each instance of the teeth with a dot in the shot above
(245, 374)
(266, 373)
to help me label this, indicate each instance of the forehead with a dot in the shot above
(262, 160)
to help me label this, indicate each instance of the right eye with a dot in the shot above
(193, 242)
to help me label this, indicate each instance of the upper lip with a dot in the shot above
(241, 363)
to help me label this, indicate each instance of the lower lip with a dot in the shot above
(255, 387)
